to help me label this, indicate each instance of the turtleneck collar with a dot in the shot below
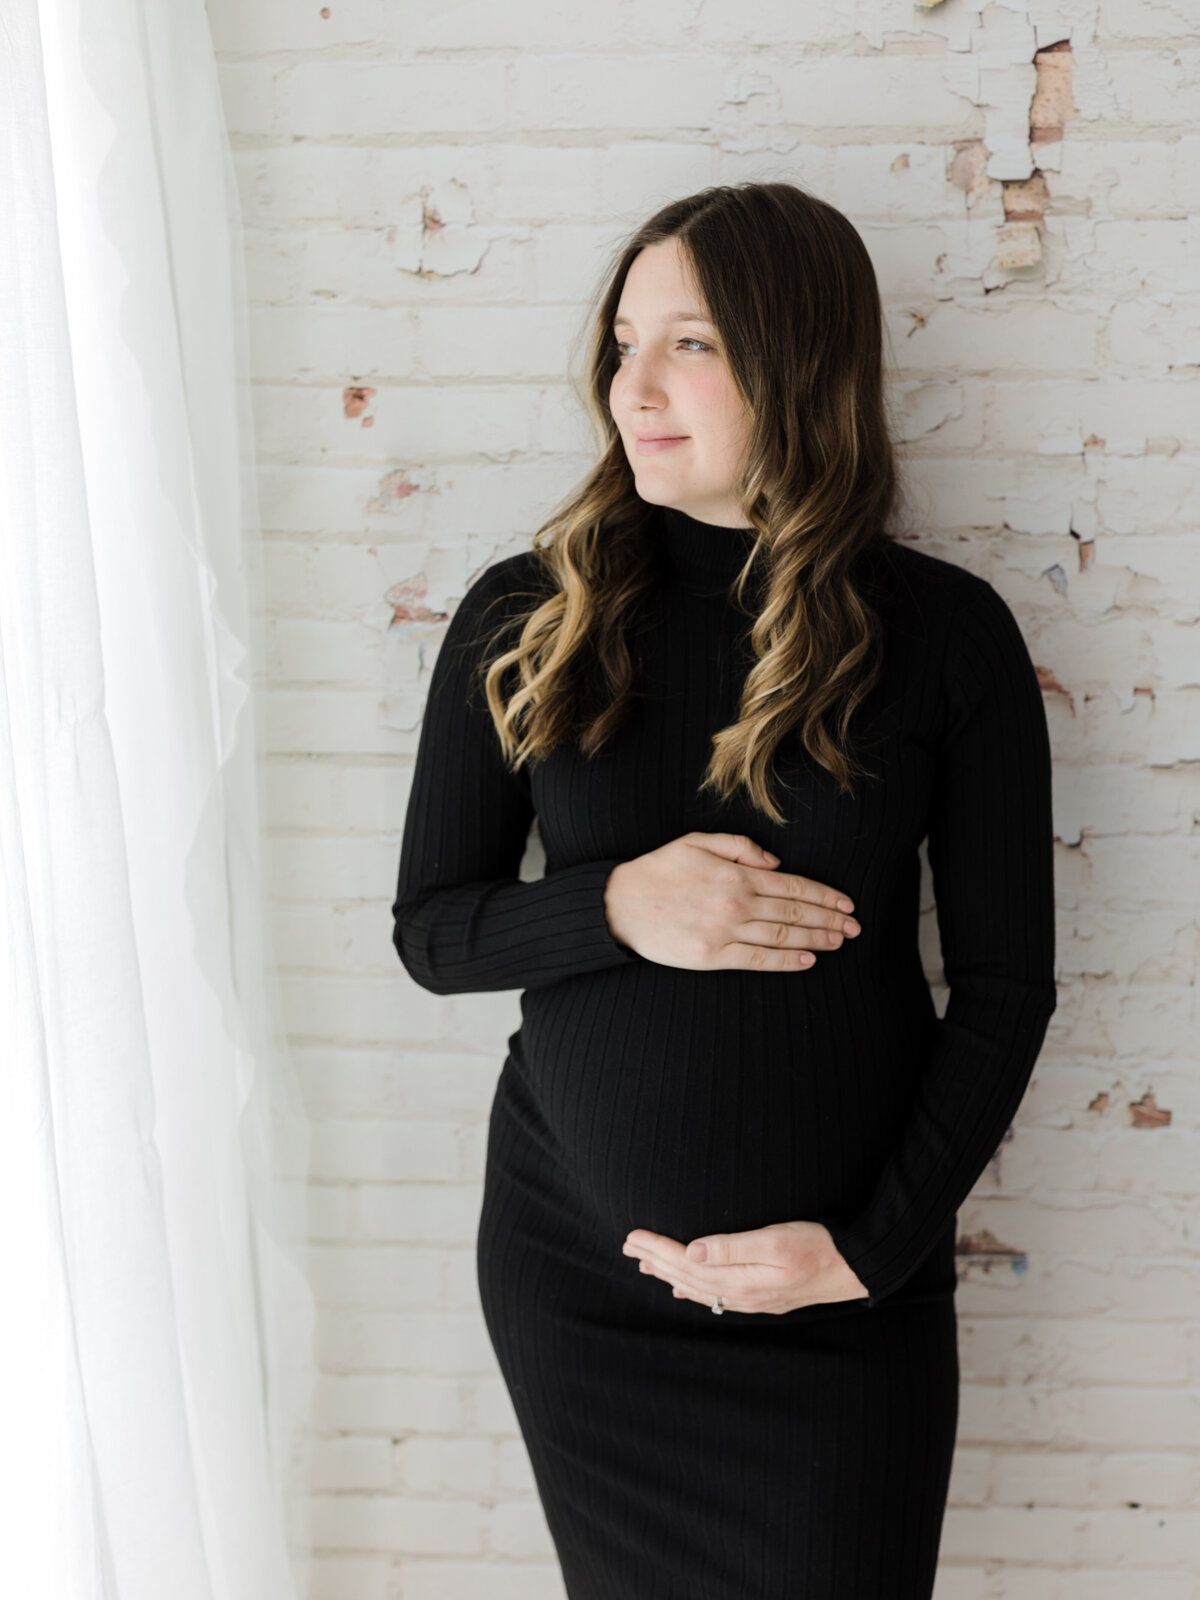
(701, 553)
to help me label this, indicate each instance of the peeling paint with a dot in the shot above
(1057, 577)
(1049, 684)
(1087, 550)
(968, 169)
(993, 67)
(430, 220)
(407, 600)
(1025, 93)
(1098, 1102)
(436, 234)
(1144, 1113)
(394, 487)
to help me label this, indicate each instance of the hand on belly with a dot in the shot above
(774, 1269)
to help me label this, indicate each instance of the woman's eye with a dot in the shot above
(699, 343)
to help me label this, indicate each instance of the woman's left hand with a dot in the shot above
(774, 1269)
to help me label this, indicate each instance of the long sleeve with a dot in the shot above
(463, 919)
(990, 848)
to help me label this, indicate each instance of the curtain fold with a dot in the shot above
(157, 1367)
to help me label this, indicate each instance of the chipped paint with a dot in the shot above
(408, 602)
(1048, 682)
(968, 169)
(1098, 1102)
(1025, 93)
(983, 1249)
(436, 234)
(1086, 548)
(991, 64)
(355, 400)
(1145, 1113)
(394, 488)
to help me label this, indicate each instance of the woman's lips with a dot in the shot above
(651, 447)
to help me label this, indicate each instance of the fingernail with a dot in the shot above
(845, 905)
(698, 1250)
(771, 856)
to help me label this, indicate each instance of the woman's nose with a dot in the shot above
(642, 382)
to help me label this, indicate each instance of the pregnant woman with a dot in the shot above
(730, 1135)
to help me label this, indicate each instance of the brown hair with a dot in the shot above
(790, 288)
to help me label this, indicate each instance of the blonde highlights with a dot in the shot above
(791, 290)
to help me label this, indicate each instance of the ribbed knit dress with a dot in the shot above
(680, 1455)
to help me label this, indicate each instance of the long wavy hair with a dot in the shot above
(790, 288)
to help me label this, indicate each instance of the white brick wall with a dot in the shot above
(1050, 425)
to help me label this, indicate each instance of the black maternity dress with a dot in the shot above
(681, 1455)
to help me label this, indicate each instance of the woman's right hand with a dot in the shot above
(711, 900)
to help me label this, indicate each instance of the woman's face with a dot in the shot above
(672, 397)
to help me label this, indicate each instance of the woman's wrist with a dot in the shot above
(612, 912)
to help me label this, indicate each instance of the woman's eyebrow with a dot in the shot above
(671, 316)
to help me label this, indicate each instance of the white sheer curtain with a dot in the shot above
(155, 1337)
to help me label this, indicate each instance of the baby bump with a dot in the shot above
(730, 1105)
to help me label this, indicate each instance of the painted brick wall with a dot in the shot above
(429, 192)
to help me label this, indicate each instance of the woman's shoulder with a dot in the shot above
(500, 591)
(520, 576)
(927, 593)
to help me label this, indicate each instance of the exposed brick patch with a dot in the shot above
(1025, 199)
(983, 1249)
(1053, 104)
(355, 400)
(1146, 1113)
